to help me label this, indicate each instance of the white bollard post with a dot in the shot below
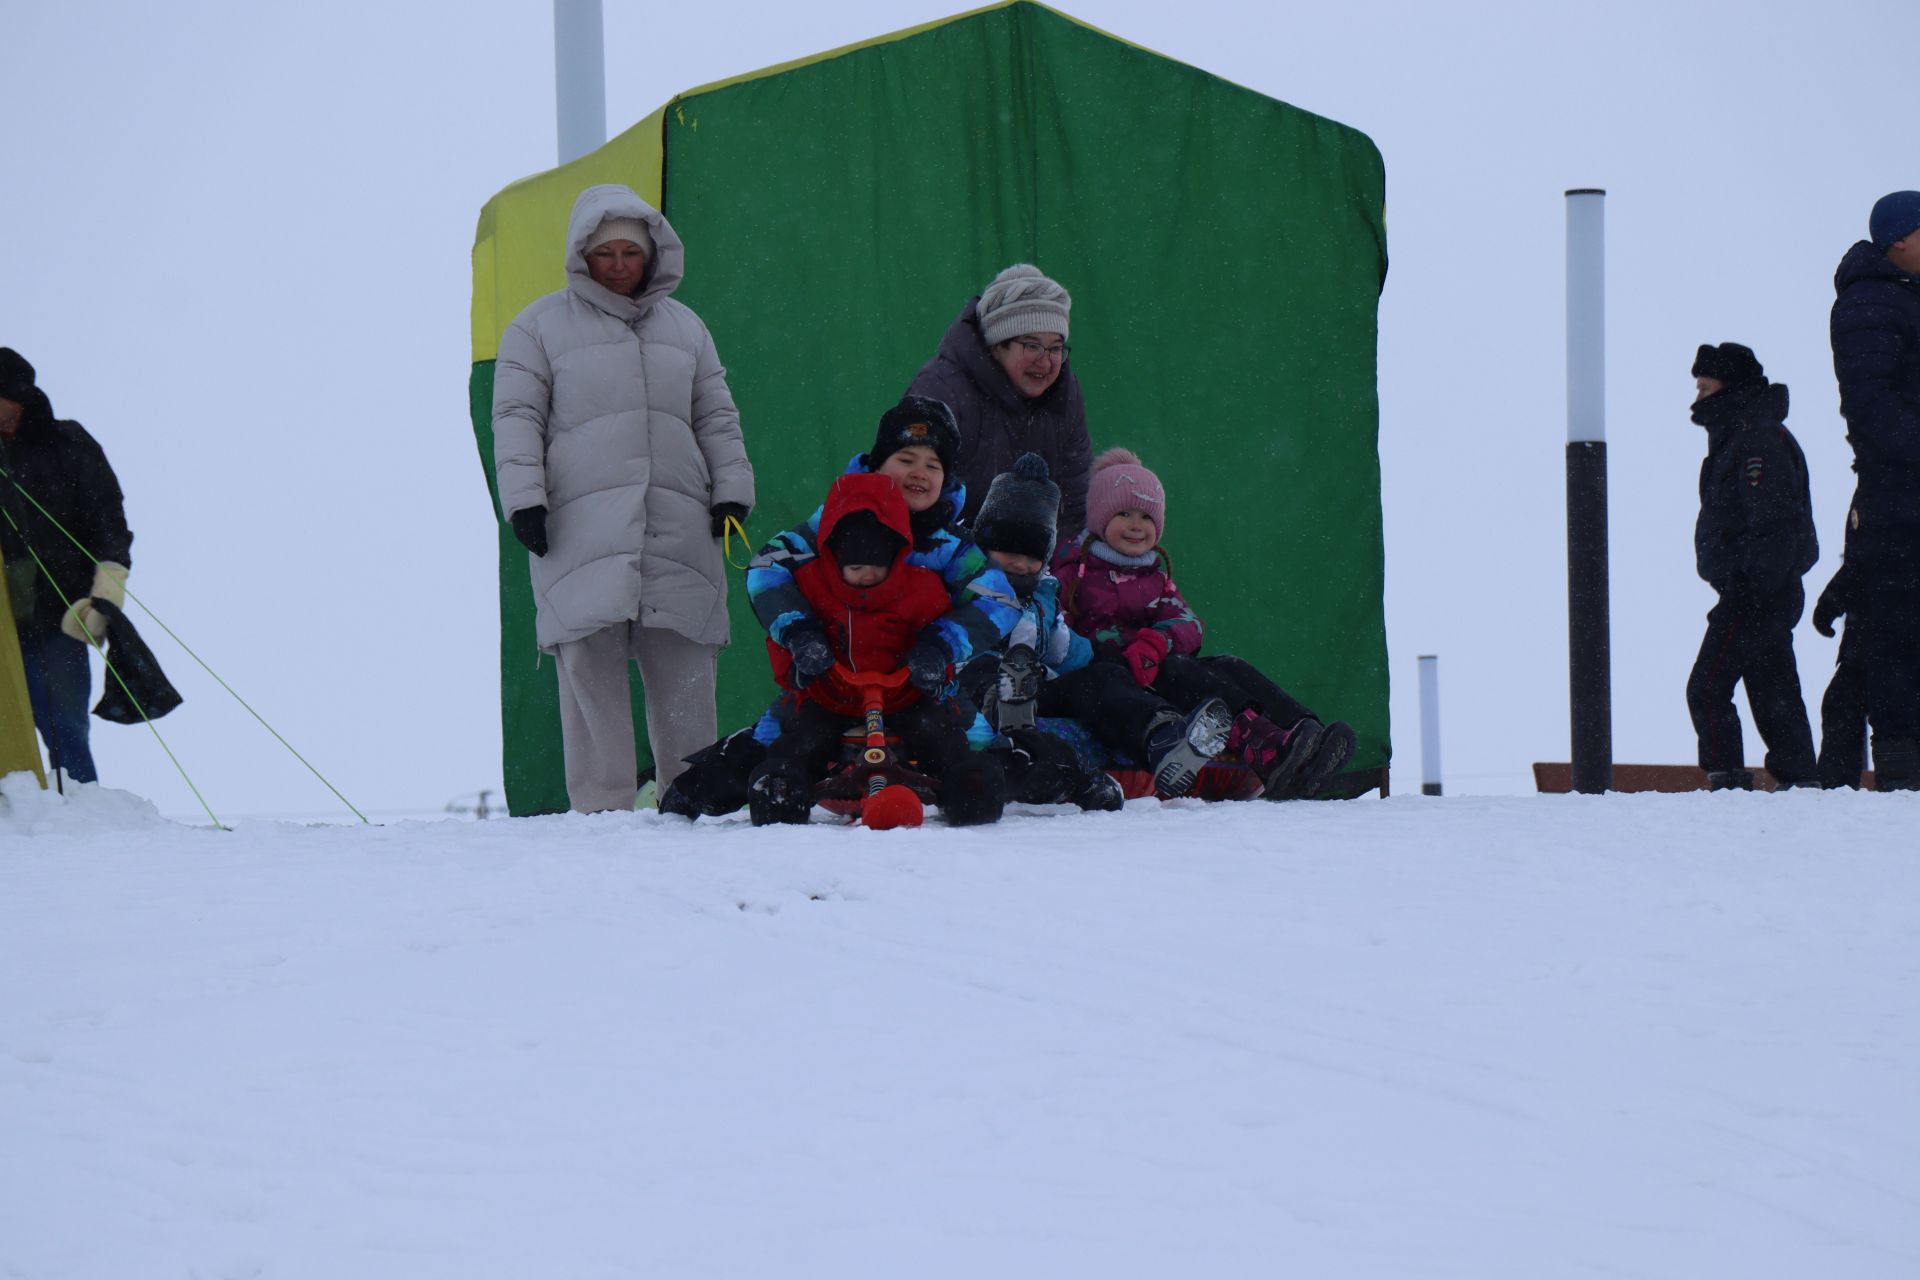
(1429, 725)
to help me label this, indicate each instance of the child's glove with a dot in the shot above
(1144, 653)
(85, 623)
(530, 526)
(927, 664)
(1109, 651)
(812, 655)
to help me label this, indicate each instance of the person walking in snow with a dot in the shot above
(620, 462)
(1003, 368)
(56, 486)
(1875, 327)
(1753, 542)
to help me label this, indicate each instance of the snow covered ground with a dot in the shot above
(1653, 1036)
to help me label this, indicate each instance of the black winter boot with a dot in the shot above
(715, 779)
(1896, 764)
(1099, 792)
(973, 791)
(1330, 753)
(1178, 749)
(1730, 780)
(779, 799)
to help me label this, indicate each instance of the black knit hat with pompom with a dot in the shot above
(1020, 512)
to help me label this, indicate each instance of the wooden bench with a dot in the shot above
(1556, 778)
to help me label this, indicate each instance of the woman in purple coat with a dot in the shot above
(1003, 369)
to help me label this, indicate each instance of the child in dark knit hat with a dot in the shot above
(1047, 668)
(1117, 588)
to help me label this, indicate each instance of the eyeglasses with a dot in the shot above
(1030, 349)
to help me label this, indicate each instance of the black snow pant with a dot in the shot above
(932, 734)
(1843, 716)
(1886, 612)
(1187, 680)
(1750, 640)
(1104, 697)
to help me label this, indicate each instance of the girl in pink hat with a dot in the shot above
(1117, 588)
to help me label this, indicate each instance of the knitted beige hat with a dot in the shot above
(611, 229)
(1021, 301)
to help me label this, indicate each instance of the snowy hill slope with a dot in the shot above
(1623, 1036)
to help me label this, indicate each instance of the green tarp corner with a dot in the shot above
(1225, 253)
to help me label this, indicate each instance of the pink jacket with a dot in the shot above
(1110, 602)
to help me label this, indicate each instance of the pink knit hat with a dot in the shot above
(1121, 483)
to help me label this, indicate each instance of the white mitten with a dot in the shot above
(85, 623)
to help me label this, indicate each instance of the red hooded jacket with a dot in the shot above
(870, 629)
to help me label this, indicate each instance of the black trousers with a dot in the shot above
(1186, 681)
(1843, 716)
(933, 734)
(1886, 611)
(1749, 641)
(1104, 697)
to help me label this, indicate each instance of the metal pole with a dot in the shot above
(579, 77)
(1589, 649)
(1429, 725)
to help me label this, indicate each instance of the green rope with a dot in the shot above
(113, 670)
(177, 640)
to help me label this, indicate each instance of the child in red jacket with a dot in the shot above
(873, 606)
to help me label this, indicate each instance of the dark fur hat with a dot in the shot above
(16, 376)
(1730, 363)
(1020, 511)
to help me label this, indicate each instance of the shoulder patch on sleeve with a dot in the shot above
(1756, 467)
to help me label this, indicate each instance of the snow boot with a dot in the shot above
(1016, 689)
(1178, 749)
(1896, 764)
(1275, 754)
(779, 799)
(715, 779)
(1332, 750)
(973, 791)
(1730, 780)
(1099, 792)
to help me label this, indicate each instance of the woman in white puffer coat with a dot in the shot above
(619, 458)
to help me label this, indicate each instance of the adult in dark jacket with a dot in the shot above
(1003, 369)
(57, 482)
(1876, 357)
(1753, 543)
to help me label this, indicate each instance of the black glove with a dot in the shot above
(1833, 602)
(927, 662)
(722, 511)
(1109, 651)
(812, 655)
(530, 526)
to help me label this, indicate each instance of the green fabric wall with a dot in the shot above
(1224, 251)
(1225, 254)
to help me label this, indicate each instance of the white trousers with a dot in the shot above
(596, 714)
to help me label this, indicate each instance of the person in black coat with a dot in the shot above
(54, 482)
(1753, 543)
(1843, 709)
(1876, 357)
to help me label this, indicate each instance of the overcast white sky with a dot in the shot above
(236, 247)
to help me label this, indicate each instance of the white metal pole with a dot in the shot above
(1586, 316)
(1429, 725)
(579, 77)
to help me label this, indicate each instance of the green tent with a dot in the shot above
(1225, 252)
